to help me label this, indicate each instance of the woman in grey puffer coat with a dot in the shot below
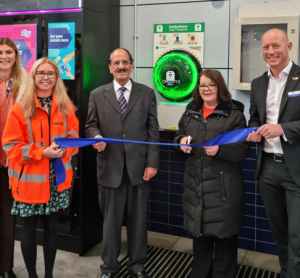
(213, 198)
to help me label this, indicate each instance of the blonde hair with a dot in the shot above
(17, 70)
(60, 95)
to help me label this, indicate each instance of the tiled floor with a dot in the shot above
(72, 265)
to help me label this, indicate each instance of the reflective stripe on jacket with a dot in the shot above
(24, 140)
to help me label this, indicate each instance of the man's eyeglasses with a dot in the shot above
(117, 63)
(210, 87)
(41, 74)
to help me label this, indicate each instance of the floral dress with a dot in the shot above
(58, 200)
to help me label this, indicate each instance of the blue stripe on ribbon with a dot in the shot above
(225, 138)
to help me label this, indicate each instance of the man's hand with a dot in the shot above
(149, 173)
(270, 130)
(99, 146)
(253, 137)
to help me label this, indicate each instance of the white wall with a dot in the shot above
(219, 20)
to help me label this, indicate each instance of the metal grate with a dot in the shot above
(165, 263)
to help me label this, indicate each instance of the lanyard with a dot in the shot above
(8, 87)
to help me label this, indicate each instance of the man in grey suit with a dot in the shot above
(124, 109)
(275, 109)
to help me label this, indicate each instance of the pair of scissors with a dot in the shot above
(188, 142)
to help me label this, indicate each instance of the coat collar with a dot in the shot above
(134, 96)
(111, 97)
(53, 105)
(292, 81)
(223, 108)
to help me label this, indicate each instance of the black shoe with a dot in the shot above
(141, 274)
(9, 274)
(108, 275)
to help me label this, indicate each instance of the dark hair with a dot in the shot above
(130, 57)
(216, 77)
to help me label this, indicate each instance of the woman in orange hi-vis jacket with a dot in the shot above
(12, 78)
(44, 113)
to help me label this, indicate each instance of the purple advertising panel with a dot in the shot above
(24, 37)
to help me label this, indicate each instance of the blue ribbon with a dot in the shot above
(59, 170)
(225, 138)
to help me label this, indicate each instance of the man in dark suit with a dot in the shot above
(124, 109)
(275, 109)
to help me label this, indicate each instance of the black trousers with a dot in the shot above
(214, 257)
(130, 201)
(7, 224)
(281, 196)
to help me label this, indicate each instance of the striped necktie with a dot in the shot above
(122, 100)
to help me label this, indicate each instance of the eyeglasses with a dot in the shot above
(210, 87)
(117, 63)
(41, 74)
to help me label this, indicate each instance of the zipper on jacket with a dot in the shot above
(21, 173)
(222, 185)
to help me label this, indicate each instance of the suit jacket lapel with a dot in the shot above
(111, 97)
(292, 80)
(134, 96)
(263, 98)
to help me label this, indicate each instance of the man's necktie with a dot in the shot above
(122, 100)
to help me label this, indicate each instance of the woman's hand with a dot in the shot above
(53, 151)
(211, 150)
(184, 141)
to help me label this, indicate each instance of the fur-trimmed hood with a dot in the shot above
(224, 107)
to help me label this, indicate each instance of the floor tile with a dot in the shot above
(261, 260)
(63, 259)
(69, 265)
(87, 265)
(161, 240)
(183, 245)
(241, 255)
(56, 273)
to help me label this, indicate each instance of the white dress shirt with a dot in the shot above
(275, 90)
(117, 86)
(128, 87)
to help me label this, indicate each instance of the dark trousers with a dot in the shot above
(7, 224)
(114, 203)
(214, 257)
(281, 198)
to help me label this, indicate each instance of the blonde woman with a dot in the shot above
(12, 77)
(44, 113)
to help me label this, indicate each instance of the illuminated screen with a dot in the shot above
(175, 75)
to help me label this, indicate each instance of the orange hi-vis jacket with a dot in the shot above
(24, 140)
